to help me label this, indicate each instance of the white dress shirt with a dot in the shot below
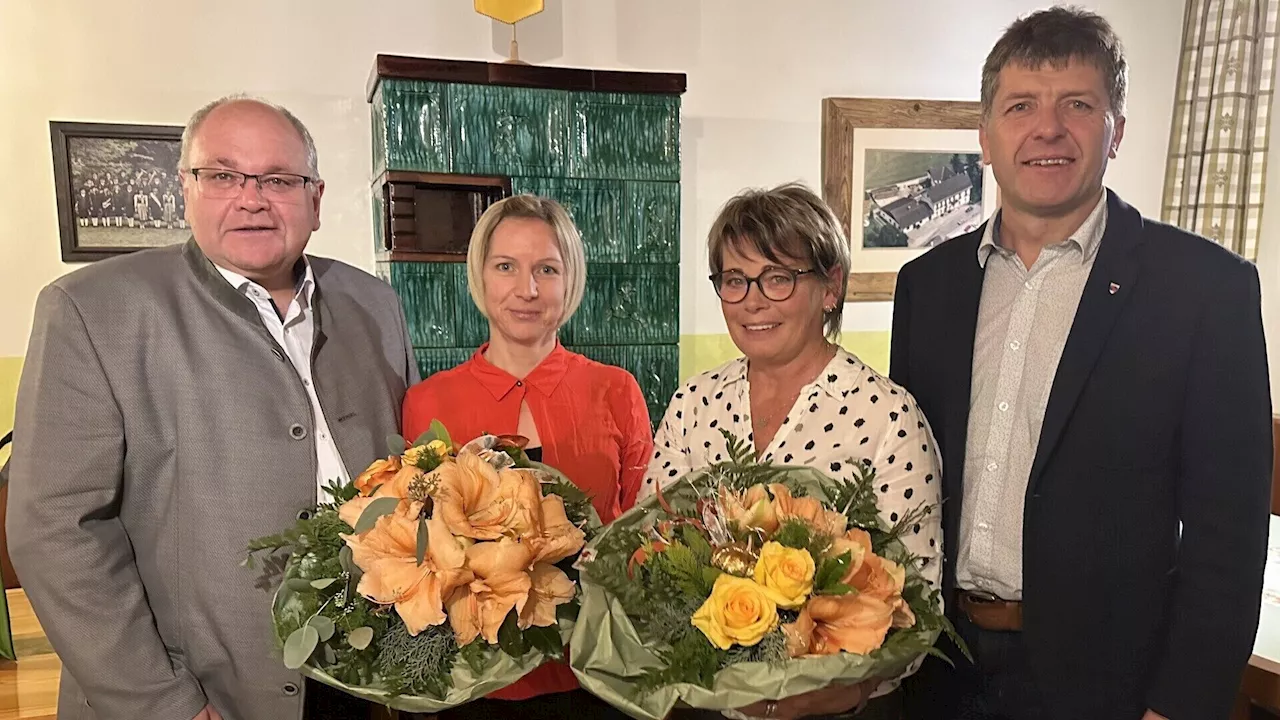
(296, 336)
(1024, 317)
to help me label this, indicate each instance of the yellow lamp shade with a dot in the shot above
(509, 11)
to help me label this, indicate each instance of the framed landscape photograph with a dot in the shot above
(117, 187)
(902, 176)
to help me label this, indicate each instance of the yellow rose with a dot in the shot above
(414, 454)
(438, 448)
(738, 612)
(786, 574)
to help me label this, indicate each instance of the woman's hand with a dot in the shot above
(831, 700)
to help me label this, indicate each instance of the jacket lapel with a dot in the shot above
(1108, 288)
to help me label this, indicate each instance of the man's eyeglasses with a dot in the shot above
(775, 283)
(221, 184)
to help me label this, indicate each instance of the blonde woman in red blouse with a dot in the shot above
(526, 270)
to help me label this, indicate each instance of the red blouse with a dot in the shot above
(592, 422)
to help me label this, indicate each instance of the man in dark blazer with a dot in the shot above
(176, 403)
(1098, 385)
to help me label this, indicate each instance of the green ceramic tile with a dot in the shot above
(520, 132)
(430, 301)
(653, 230)
(625, 137)
(379, 219)
(627, 304)
(598, 208)
(378, 119)
(433, 360)
(470, 327)
(655, 367)
(414, 133)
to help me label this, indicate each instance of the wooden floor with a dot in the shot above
(28, 687)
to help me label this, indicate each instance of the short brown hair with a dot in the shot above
(786, 220)
(1055, 37)
(567, 237)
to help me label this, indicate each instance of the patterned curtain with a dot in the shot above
(1215, 176)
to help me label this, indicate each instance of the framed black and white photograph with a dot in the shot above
(117, 187)
(919, 199)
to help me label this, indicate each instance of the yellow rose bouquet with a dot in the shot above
(747, 581)
(441, 574)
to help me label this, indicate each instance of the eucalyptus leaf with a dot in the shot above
(360, 637)
(374, 510)
(323, 625)
(322, 583)
(422, 539)
(299, 646)
(330, 657)
(396, 444)
(509, 637)
(298, 584)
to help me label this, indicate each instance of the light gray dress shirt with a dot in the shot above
(1024, 317)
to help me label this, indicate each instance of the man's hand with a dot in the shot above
(831, 700)
(208, 713)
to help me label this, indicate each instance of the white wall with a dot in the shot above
(757, 71)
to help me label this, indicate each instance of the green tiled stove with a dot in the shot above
(450, 137)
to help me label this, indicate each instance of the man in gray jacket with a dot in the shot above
(176, 403)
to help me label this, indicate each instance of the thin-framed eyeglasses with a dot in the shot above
(775, 283)
(222, 184)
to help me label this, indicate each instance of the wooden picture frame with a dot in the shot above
(117, 188)
(841, 119)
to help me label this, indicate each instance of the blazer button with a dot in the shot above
(304, 514)
(289, 689)
(278, 353)
(297, 432)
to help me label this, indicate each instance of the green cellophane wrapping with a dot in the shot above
(609, 657)
(501, 670)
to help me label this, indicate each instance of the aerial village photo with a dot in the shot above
(919, 199)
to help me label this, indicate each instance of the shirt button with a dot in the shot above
(1028, 285)
(519, 383)
(297, 432)
(1003, 406)
(289, 689)
(1015, 345)
(983, 526)
(993, 467)
(306, 382)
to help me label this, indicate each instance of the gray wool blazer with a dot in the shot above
(159, 428)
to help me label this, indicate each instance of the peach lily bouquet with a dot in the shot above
(747, 581)
(441, 574)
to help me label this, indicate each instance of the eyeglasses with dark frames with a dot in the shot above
(775, 283)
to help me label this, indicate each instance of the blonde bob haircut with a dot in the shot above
(788, 221)
(567, 238)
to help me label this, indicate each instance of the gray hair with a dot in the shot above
(567, 237)
(786, 220)
(1055, 37)
(197, 119)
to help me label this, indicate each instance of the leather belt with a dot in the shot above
(990, 612)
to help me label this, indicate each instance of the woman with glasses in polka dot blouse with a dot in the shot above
(780, 265)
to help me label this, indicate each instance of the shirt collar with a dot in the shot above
(544, 378)
(304, 284)
(1086, 238)
(837, 379)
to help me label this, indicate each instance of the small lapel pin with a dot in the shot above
(1114, 288)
